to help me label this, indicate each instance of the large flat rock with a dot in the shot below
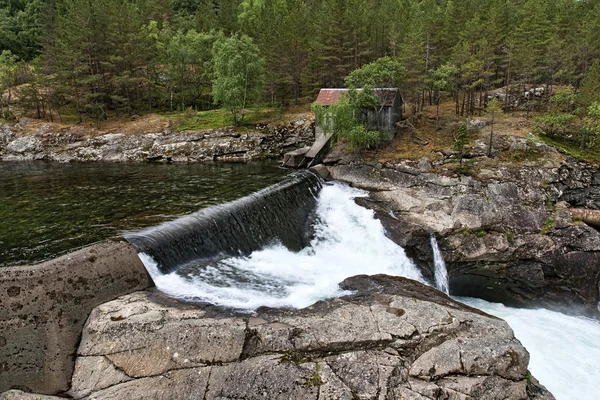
(393, 338)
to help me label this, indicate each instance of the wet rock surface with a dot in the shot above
(393, 338)
(163, 145)
(506, 234)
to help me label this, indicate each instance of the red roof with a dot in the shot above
(328, 97)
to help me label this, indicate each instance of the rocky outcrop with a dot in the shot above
(21, 395)
(224, 144)
(44, 307)
(577, 183)
(504, 234)
(393, 338)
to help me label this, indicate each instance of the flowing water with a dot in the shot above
(47, 209)
(347, 241)
(439, 268)
(565, 350)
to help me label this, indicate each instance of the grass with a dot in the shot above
(179, 120)
(197, 120)
(548, 224)
(315, 378)
(591, 155)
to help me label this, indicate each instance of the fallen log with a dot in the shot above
(590, 217)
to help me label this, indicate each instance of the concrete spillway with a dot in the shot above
(278, 213)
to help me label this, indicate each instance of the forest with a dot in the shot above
(100, 58)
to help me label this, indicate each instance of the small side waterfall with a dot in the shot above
(440, 271)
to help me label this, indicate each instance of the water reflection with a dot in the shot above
(47, 209)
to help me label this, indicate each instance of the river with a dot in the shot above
(565, 350)
(47, 209)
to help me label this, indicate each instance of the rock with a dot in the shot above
(6, 135)
(424, 164)
(27, 147)
(225, 144)
(384, 339)
(477, 123)
(501, 238)
(44, 307)
(20, 395)
(83, 383)
(321, 170)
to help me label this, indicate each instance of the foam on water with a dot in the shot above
(565, 350)
(348, 241)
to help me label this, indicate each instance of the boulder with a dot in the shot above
(320, 170)
(27, 147)
(392, 337)
(44, 307)
(20, 395)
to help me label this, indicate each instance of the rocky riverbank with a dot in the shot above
(393, 338)
(505, 231)
(20, 142)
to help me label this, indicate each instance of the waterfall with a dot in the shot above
(341, 240)
(440, 271)
(278, 213)
(346, 240)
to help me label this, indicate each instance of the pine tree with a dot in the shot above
(589, 90)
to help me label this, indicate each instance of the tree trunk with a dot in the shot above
(489, 152)
(457, 106)
(437, 113)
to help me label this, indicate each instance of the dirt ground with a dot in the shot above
(438, 144)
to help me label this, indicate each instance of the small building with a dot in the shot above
(383, 120)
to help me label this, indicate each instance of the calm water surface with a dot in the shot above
(47, 209)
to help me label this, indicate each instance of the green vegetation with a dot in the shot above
(198, 120)
(442, 80)
(238, 71)
(548, 224)
(461, 139)
(342, 117)
(315, 378)
(95, 60)
(293, 357)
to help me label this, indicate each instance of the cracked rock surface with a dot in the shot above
(393, 338)
(507, 235)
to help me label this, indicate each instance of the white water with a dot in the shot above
(440, 271)
(348, 241)
(565, 350)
